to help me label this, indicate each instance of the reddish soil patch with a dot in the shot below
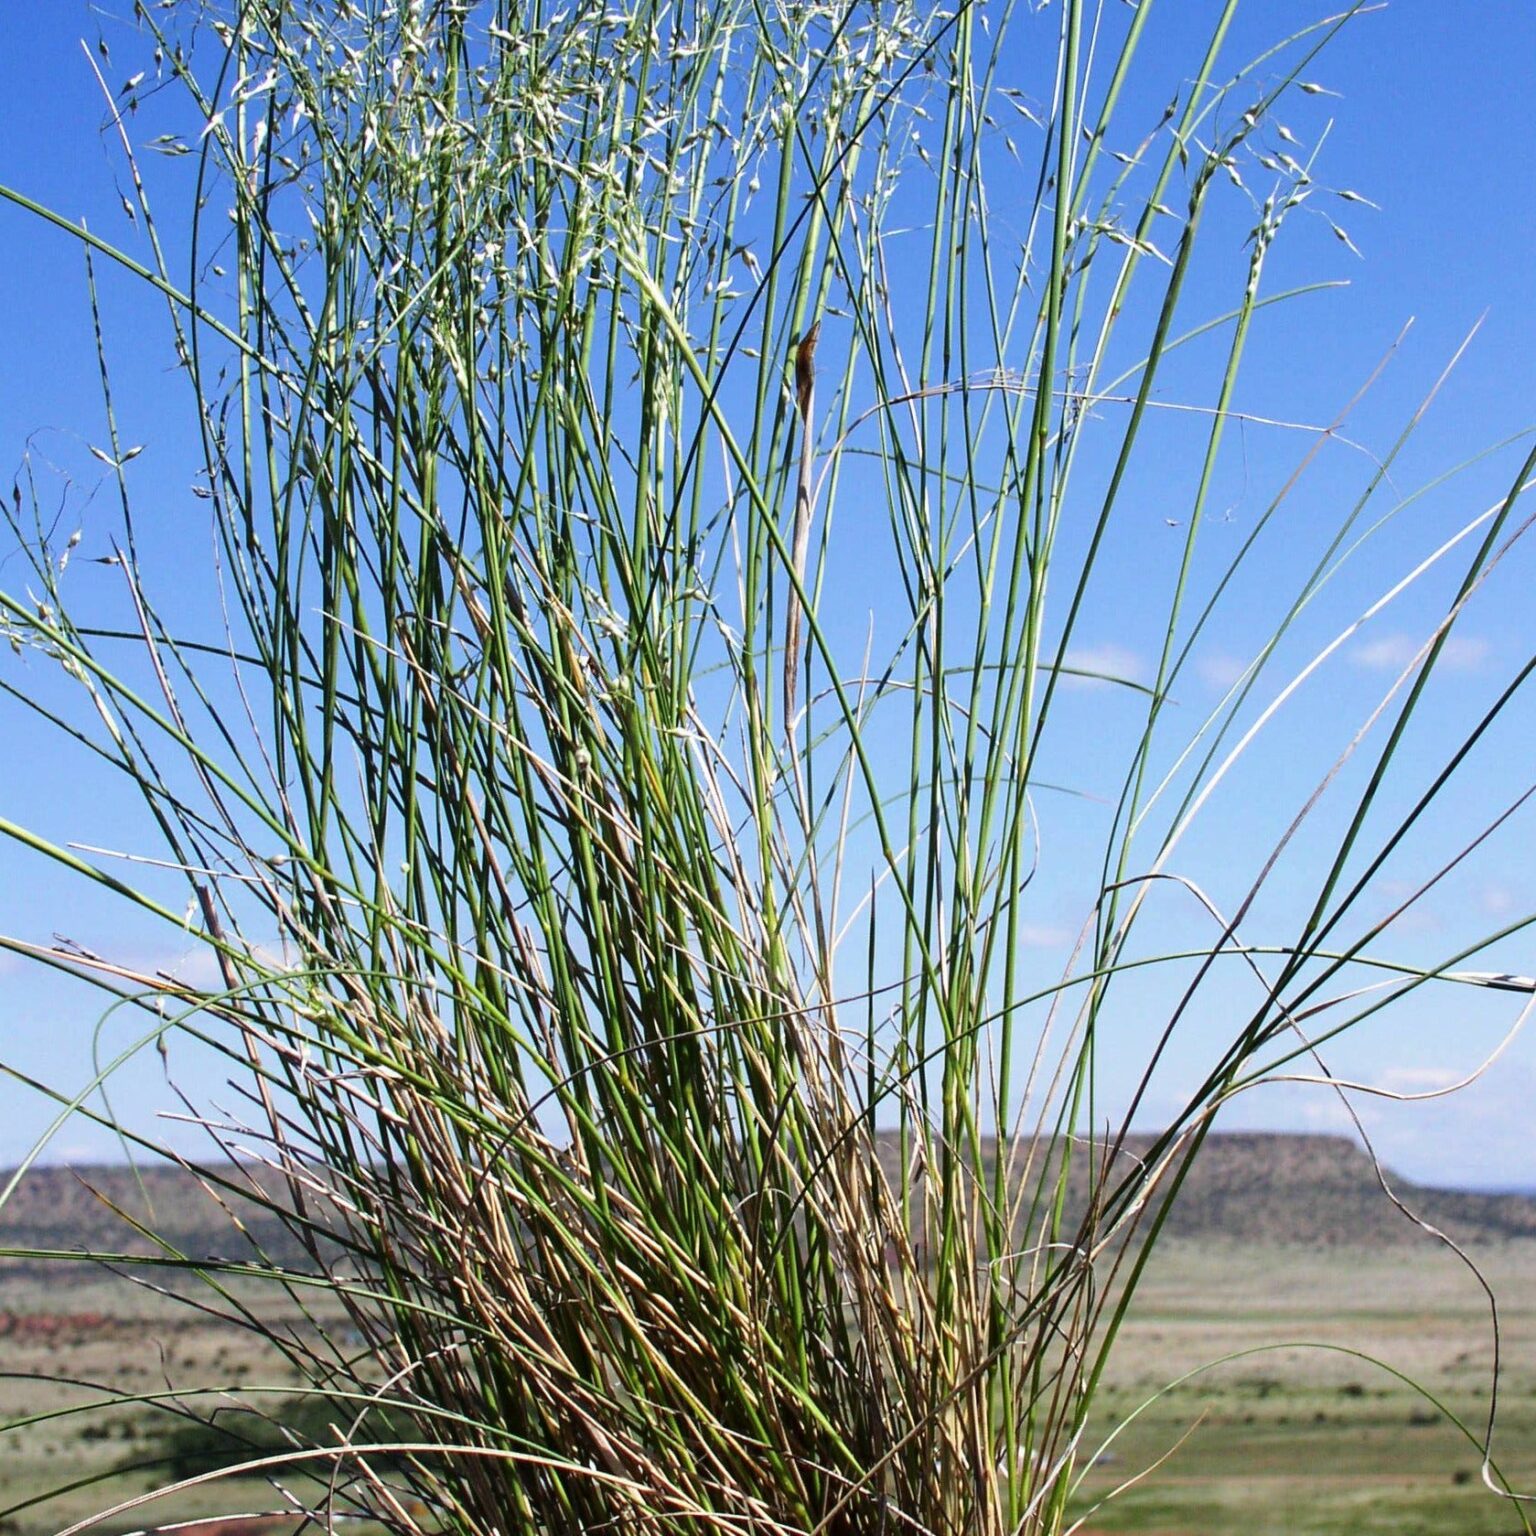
(46, 1326)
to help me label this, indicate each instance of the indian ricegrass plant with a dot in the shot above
(662, 461)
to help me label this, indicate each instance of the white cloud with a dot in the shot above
(1110, 660)
(1044, 936)
(1480, 1135)
(1309, 1108)
(1386, 653)
(1421, 916)
(1417, 1079)
(1496, 900)
(1323, 1112)
(197, 966)
(1218, 669)
(1465, 653)
(76, 1152)
(1391, 653)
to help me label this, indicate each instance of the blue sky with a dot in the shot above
(1432, 122)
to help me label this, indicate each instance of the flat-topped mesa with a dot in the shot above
(1284, 1188)
(1249, 1187)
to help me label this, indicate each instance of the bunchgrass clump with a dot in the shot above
(662, 460)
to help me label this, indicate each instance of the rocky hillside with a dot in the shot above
(1275, 1188)
(1246, 1188)
(95, 1209)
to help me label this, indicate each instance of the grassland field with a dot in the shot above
(1298, 1439)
